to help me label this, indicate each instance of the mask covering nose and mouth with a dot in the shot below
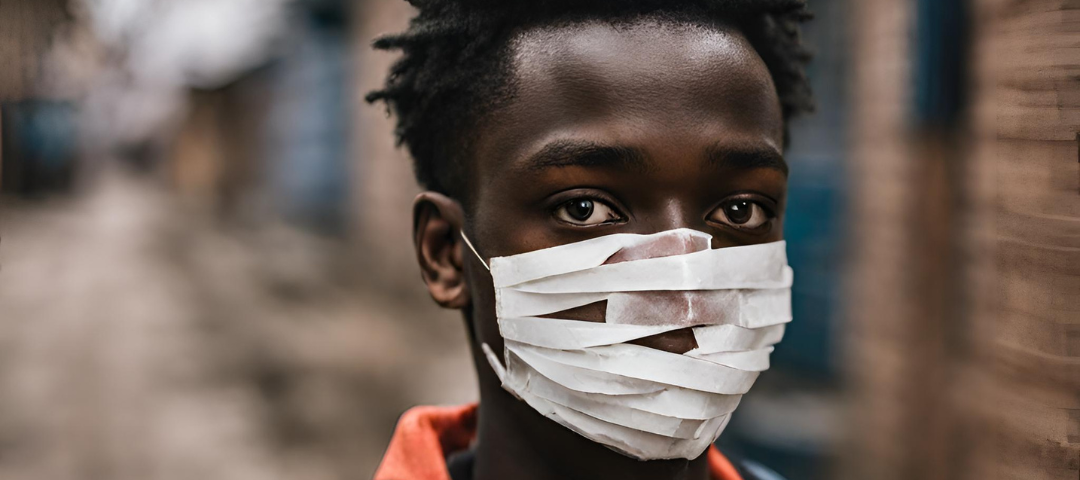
(645, 403)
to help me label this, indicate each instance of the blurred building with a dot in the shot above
(276, 140)
(1027, 147)
(964, 268)
(39, 138)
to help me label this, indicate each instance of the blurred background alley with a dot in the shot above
(206, 269)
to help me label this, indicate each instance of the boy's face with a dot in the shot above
(638, 128)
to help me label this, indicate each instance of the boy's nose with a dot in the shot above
(676, 309)
(673, 214)
(678, 213)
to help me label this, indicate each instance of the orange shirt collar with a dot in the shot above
(425, 436)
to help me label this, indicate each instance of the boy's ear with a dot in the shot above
(437, 223)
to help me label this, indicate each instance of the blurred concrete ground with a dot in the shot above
(140, 341)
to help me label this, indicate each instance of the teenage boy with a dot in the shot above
(539, 124)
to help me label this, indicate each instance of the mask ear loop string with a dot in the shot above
(471, 247)
(493, 359)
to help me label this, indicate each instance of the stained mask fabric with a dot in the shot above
(642, 402)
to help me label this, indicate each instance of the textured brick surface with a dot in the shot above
(26, 29)
(1030, 103)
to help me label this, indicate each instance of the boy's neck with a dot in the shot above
(514, 441)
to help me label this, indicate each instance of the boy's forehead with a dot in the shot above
(645, 83)
(665, 60)
(653, 41)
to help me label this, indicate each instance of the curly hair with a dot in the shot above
(455, 63)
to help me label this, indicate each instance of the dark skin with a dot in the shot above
(639, 128)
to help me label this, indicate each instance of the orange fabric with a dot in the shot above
(422, 440)
(425, 436)
(721, 467)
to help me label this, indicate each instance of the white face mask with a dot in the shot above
(644, 403)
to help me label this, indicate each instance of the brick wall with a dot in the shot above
(26, 29)
(1029, 109)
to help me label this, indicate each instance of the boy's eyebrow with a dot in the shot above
(574, 153)
(746, 157)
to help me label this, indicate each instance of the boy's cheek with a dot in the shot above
(483, 316)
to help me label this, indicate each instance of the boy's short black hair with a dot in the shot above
(455, 63)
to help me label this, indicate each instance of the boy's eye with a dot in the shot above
(742, 214)
(586, 212)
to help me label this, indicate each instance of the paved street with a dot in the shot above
(141, 341)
